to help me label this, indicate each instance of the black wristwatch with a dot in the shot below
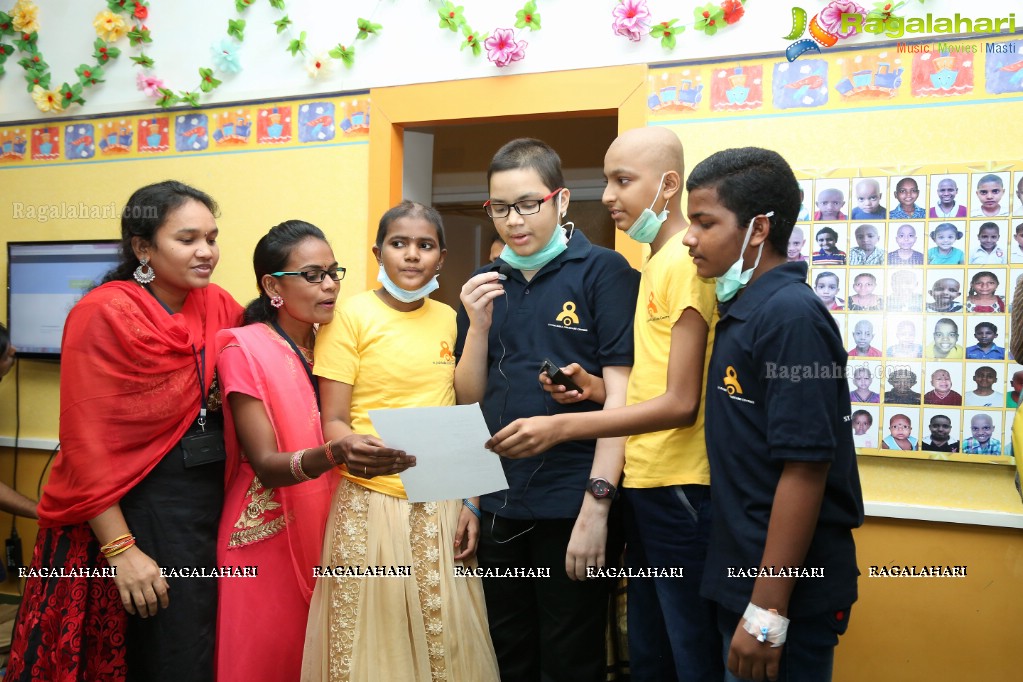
(601, 488)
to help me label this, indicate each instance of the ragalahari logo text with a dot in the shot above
(842, 19)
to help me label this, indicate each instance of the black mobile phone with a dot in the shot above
(555, 374)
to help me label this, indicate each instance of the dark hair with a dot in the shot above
(907, 179)
(827, 230)
(751, 181)
(946, 227)
(146, 211)
(988, 225)
(989, 325)
(5, 340)
(528, 152)
(857, 413)
(825, 273)
(902, 373)
(982, 273)
(990, 177)
(936, 416)
(411, 209)
(271, 255)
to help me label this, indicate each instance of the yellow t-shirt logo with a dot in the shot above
(731, 382)
(445, 351)
(651, 307)
(567, 315)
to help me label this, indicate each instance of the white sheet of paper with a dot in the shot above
(447, 442)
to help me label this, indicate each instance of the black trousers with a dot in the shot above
(545, 628)
(174, 513)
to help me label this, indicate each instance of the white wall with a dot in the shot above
(410, 49)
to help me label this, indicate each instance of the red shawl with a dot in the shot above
(128, 391)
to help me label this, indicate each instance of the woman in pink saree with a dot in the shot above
(280, 474)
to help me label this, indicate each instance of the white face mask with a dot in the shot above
(404, 295)
(551, 250)
(648, 224)
(729, 284)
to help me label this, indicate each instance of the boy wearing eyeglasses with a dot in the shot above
(561, 298)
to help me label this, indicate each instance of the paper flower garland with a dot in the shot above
(503, 47)
(23, 21)
(632, 19)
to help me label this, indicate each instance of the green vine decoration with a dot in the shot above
(503, 47)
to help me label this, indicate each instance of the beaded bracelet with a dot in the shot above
(473, 508)
(296, 467)
(330, 455)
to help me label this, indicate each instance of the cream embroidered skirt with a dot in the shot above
(428, 625)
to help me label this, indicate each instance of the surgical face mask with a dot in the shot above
(404, 295)
(729, 284)
(648, 224)
(554, 247)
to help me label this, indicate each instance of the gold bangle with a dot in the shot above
(117, 542)
(119, 550)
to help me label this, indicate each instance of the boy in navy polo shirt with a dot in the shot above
(562, 297)
(782, 563)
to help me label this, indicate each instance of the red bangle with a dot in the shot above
(330, 455)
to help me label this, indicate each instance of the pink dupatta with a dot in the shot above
(266, 367)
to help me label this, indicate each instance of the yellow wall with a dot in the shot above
(927, 629)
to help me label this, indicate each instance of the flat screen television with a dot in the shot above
(44, 279)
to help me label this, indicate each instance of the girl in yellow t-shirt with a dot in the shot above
(391, 348)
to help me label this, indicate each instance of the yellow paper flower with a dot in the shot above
(109, 26)
(25, 16)
(47, 100)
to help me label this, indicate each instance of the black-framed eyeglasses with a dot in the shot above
(523, 207)
(315, 276)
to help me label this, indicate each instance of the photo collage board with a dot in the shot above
(919, 270)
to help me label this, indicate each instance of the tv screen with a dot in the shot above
(44, 279)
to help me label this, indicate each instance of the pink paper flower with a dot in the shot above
(630, 19)
(503, 49)
(830, 17)
(149, 84)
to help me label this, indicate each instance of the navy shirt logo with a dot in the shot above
(567, 315)
(731, 386)
(731, 381)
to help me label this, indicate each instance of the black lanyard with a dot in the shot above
(200, 373)
(305, 365)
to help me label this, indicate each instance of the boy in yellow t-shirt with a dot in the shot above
(666, 488)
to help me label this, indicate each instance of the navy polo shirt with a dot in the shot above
(577, 308)
(776, 392)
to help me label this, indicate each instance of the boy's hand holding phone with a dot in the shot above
(584, 386)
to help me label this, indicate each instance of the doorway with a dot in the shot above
(461, 154)
(448, 132)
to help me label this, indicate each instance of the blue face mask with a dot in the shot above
(648, 224)
(729, 284)
(554, 247)
(404, 295)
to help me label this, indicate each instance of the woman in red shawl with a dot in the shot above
(274, 514)
(138, 484)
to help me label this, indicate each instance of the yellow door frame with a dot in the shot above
(619, 91)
